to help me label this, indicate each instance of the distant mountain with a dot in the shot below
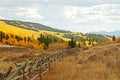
(115, 33)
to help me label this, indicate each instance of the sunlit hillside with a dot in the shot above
(16, 30)
(30, 29)
(7, 28)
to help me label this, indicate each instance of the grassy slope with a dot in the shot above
(96, 63)
(16, 30)
(26, 29)
(32, 26)
(24, 32)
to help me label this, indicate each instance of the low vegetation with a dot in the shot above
(96, 63)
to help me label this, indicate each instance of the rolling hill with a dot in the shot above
(32, 26)
(22, 28)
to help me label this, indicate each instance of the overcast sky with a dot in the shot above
(74, 15)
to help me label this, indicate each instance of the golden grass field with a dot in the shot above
(94, 63)
(25, 33)
(16, 30)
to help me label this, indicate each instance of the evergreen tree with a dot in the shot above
(25, 39)
(17, 38)
(29, 39)
(0, 35)
(113, 38)
(46, 40)
(6, 37)
(72, 43)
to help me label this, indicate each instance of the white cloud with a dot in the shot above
(104, 12)
(2, 17)
(21, 13)
(84, 15)
(28, 12)
(97, 28)
(87, 28)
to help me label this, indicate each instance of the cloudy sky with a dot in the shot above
(74, 15)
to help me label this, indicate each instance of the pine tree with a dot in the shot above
(46, 40)
(25, 39)
(113, 38)
(72, 43)
(6, 37)
(0, 35)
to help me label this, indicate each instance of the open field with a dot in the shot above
(95, 63)
(9, 54)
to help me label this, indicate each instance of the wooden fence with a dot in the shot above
(30, 70)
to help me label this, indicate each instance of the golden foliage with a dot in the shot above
(13, 41)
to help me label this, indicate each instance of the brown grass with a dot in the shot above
(96, 63)
(9, 54)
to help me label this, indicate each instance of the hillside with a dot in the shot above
(96, 63)
(16, 30)
(32, 26)
(29, 29)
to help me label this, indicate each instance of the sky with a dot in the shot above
(73, 15)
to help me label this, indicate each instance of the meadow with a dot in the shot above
(93, 63)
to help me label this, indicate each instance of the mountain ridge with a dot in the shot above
(32, 26)
(115, 33)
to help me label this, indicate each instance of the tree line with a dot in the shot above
(42, 42)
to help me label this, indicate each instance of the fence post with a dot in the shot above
(23, 74)
(40, 72)
(49, 64)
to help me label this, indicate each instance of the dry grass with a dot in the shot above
(57, 46)
(96, 63)
(10, 54)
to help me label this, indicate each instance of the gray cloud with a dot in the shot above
(74, 15)
(15, 3)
